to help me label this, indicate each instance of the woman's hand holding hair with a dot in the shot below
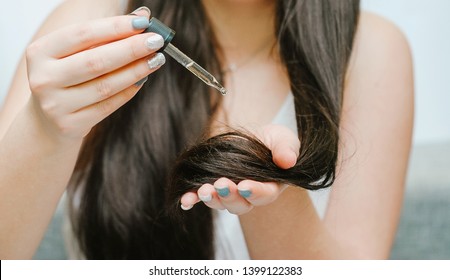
(240, 197)
(80, 74)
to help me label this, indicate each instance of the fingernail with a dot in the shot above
(141, 82)
(140, 23)
(245, 193)
(156, 61)
(206, 198)
(185, 208)
(223, 191)
(154, 42)
(140, 9)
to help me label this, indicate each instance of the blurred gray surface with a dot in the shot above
(424, 230)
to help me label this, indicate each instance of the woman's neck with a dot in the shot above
(243, 28)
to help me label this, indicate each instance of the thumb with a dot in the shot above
(142, 12)
(283, 143)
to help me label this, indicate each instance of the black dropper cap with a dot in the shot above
(160, 28)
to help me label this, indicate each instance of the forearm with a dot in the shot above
(289, 228)
(34, 171)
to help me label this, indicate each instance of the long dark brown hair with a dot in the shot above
(135, 165)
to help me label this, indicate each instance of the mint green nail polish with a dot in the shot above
(140, 23)
(223, 191)
(245, 193)
(206, 198)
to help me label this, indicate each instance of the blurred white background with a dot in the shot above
(425, 223)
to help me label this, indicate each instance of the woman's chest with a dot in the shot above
(255, 95)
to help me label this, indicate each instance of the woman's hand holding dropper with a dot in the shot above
(80, 74)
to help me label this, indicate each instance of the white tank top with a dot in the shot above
(229, 239)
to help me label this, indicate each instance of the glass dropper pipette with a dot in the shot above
(167, 33)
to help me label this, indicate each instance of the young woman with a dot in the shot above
(327, 90)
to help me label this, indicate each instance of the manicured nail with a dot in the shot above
(245, 193)
(156, 61)
(154, 42)
(206, 198)
(223, 191)
(141, 82)
(140, 9)
(185, 208)
(140, 23)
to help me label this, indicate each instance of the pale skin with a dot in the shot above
(47, 114)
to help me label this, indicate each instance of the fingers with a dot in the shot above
(283, 143)
(237, 199)
(106, 86)
(98, 61)
(78, 125)
(230, 198)
(142, 12)
(74, 111)
(75, 38)
(91, 115)
(188, 200)
(207, 193)
(222, 195)
(259, 194)
(80, 74)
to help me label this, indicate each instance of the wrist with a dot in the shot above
(40, 129)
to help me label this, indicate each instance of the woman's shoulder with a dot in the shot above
(379, 86)
(379, 41)
(377, 32)
(381, 60)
